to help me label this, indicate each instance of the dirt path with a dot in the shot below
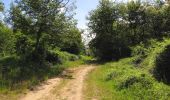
(53, 89)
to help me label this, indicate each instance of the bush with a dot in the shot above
(133, 80)
(7, 41)
(112, 75)
(56, 56)
(23, 45)
(139, 50)
(162, 68)
(10, 71)
(13, 67)
(110, 50)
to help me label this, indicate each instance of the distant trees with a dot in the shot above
(118, 26)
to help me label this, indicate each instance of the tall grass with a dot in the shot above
(18, 75)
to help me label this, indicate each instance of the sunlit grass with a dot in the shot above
(123, 81)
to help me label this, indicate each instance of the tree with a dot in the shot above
(71, 41)
(107, 43)
(7, 40)
(137, 19)
(37, 19)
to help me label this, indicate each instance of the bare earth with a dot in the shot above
(53, 89)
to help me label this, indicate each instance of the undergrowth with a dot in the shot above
(18, 75)
(130, 78)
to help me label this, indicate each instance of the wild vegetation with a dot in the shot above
(132, 78)
(135, 35)
(118, 26)
(39, 39)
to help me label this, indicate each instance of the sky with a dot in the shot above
(83, 8)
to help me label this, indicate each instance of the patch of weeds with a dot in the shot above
(111, 76)
(144, 82)
(138, 60)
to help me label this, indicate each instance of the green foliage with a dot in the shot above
(154, 55)
(40, 30)
(108, 43)
(6, 41)
(154, 48)
(23, 45)
(139, 50)
(28, 48)
(145, 83)
(162, 66)
(71, 41)
(118, 26)
(10, 72)
(82, 60)
(56, 56)
(13, 67)
(123, 81)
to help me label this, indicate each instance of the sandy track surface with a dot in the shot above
(53, 89)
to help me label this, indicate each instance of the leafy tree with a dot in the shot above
(136, 19)
(69, 39)
(119, 25)
(72, 41)
(7, 40)
(38, 21)
(108, 43)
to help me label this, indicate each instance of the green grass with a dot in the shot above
(83, 60)
(123, 81)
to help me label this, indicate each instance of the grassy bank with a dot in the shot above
(122, 81)
(130, 78)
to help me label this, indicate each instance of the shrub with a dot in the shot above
(6, 41)
(139, 50)
(10, 71)
(133, 80)
(52, 57)
(162, 68)
(23, 45)
(112, 75)
(56, 56)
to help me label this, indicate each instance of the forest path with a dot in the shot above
(67, 87)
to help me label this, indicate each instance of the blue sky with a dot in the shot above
(83, 7)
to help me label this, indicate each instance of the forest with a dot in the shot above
(126, 59)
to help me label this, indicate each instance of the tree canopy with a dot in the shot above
(118, 26)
